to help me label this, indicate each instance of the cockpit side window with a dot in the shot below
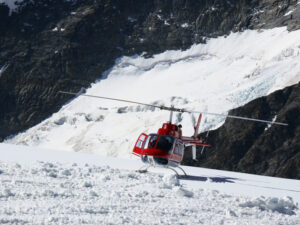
(151, 141)
(140, 141)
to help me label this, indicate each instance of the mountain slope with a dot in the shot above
(257, 148)
(51, 45)
(220, 75)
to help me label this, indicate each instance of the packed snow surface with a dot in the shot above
(41, 186)
(225, 73)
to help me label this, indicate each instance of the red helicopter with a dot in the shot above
(166, 147)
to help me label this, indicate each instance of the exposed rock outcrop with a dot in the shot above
(258, 148)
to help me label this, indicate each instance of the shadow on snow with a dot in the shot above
(211, 179)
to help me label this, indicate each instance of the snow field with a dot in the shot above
(225, 73)
(70, 193)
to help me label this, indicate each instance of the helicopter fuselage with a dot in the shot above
(164, 148)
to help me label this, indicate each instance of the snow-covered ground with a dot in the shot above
(41, 186)
(225, 73)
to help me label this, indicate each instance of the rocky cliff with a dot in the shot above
(51, 45)
(258, 148)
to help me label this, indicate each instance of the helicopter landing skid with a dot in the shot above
(177, 174)
(141, 170)
(182, 171)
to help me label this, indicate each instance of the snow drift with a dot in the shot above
(53, 193)
(41, 186)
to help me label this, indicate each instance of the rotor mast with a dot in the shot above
(171, 116)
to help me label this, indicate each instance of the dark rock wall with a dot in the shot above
(51, 45)
(250, 147)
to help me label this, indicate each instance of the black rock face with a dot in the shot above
(257, 148)
(61, 45)
(54, 45)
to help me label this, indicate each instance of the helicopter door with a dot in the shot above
(178, 151)
(139, 145)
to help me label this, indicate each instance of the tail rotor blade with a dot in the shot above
(203, 147)
(194, 152)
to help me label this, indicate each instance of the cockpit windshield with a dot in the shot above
(165, 143)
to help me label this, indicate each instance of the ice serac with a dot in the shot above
(254, 147)
(54, 45)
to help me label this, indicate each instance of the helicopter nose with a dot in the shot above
(155, 152)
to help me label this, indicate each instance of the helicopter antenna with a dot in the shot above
(173, 109)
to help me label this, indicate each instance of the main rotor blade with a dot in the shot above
(240, 118)
(123, 100)
(175, 109)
